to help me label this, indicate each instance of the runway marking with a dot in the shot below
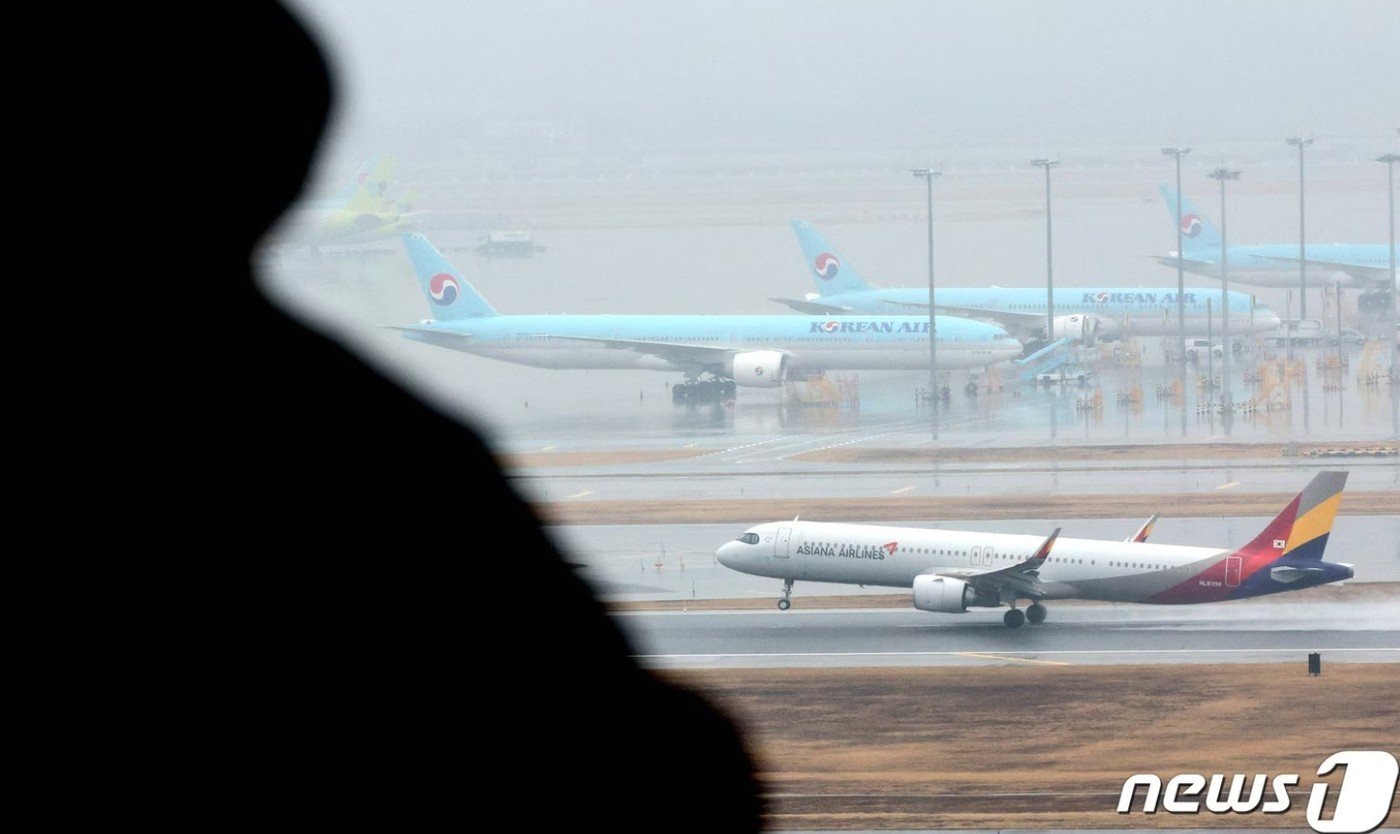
(722, 656)
(1227, 486)
(1007, 657)
(548, 448)
(957, 795)
(690, 445)
(582, 494)
(900, 490)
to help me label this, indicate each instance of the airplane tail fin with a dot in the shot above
(1301, 530)
(354, 183)
(404, 204)
(374, 183)
(831, 273)
(448, 293)
(1198, 234)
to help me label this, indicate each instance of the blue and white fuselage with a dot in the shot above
(755, 351)
(1087, 312)
(1358, 265)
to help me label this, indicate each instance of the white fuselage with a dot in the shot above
(860, 554)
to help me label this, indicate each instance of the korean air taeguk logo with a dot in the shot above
(831, 326)
(1190, 225)
(443, 288)
(827, 266)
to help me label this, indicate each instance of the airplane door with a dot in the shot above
(780, 547)
(1232, 571)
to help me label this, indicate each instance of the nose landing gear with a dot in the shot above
(786, 602)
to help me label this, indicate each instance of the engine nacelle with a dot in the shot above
(942, 594)
(758, 368)
(1086, 328)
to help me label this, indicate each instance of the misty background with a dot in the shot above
(657, 151)
(803, 75)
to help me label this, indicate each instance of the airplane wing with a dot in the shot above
(813, 308)
(1144, 531)
(1022, 575)
(682, 354)
(1375, 274)
(1005, 318)
(670, 351)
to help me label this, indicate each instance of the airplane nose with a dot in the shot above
(726, 553)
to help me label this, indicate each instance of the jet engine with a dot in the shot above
(1086, 328)
(758, 368)
(942, 594)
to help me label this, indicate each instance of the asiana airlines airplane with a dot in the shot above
(951, 571)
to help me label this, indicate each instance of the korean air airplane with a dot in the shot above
(1087, 313)
(1359, 265)
(752, 351)
(951, 571)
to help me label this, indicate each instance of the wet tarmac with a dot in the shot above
(1240, 632)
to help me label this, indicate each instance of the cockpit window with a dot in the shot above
(749, 538)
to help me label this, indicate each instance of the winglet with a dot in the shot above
(1144, 531)
(1039, 557)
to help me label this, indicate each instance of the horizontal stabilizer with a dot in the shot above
(812, 308)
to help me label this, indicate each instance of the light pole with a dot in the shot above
(1047, 164)
(1180, 263)
(928, 175)
(1390, 159)
(1300, 144)
(1224, 175)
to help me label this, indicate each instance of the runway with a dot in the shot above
(1243, 632)
(766, 469)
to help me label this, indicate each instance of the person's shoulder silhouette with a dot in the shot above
(402, 640)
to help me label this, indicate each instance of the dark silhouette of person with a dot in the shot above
(400, 640)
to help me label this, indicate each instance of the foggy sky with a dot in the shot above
(823, 74)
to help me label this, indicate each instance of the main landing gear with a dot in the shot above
(1034, 613)
(786, 602)
(702, 390)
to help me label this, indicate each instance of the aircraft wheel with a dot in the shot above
(1014, 618)
(1036, 613)
(784, 604)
